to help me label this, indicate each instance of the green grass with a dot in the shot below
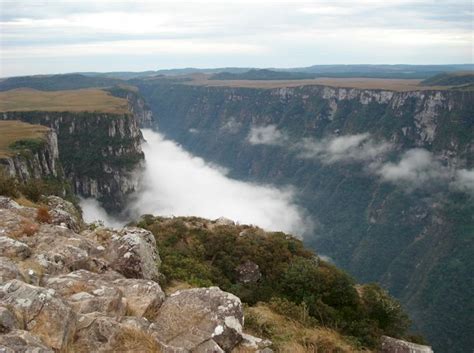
(81, 100)
(13, 132)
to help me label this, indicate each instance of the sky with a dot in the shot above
(43, 37)
(176, 183)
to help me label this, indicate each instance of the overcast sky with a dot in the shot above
(39, 36)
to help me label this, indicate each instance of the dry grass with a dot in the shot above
(175, 286)
(400, 85)
(81, 100)
(29, 228)
(23, 201)
(14, 130)
(130, 340)
(289, 336)
(42, 215)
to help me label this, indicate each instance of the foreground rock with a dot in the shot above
(191, 317)
(63, 289)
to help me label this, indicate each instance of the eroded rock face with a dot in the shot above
(64, 213)
(191, 317)
(22, 341)
(133, 253)
(41, 311)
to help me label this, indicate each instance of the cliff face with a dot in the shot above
(99, 152)
(415, 239)
(136, 105)
(40, 162)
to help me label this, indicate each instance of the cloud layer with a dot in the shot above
(147, 34)
(177, 184)
(415, 168)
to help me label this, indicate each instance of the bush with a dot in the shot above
(42, 215)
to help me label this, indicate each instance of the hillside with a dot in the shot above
(383, 173)
(451, 79)
(70, 286)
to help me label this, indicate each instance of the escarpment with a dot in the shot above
(99, 151)
(397, 229)
(30, 158)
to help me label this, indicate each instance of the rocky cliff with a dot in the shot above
(98, 151)
(380, 171)
(34, 162)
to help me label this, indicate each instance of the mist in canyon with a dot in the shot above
(176, 183)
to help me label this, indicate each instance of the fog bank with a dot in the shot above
(175, 183)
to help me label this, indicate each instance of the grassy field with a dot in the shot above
(13, 130)
(82, 100)
(361, 83)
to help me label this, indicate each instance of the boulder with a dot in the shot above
(393, 345)
(42, 312)
(13, 248)
(97, 332)
(86, 292)
(248, 272)
(22, 341)
(8, 203)
(8, 270)
(8, 320)
(133, 253)
(143, 298)
(209, 346)
(191, 317)
(63, 213)
(253, 342)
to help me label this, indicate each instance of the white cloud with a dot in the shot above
(347, 148)
(266, 135)
(417, 168)
(177, 184)
(464, 180)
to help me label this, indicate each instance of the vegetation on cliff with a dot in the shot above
(291, 279)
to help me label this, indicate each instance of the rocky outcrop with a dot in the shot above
(393, 345)
(99, 152)
(37, 163)
(66, 288)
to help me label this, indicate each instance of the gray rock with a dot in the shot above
(64, 213)
(143, 298)
(209, 346)
(133, 253)
(248, 272)
(393, 345)
(86, 292)
(8, 203)
(190, 317)
(13, 248)
(43, 313)
(19, 341)
(8, 320)
(8, 270)
(255, 342)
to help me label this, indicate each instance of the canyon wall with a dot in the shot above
(99, 152)
(415, 239)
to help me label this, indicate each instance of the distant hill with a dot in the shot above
(451, 79)
(263, 74)
(57, 82)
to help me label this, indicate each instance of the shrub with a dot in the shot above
(8, 185)
(42, 215)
